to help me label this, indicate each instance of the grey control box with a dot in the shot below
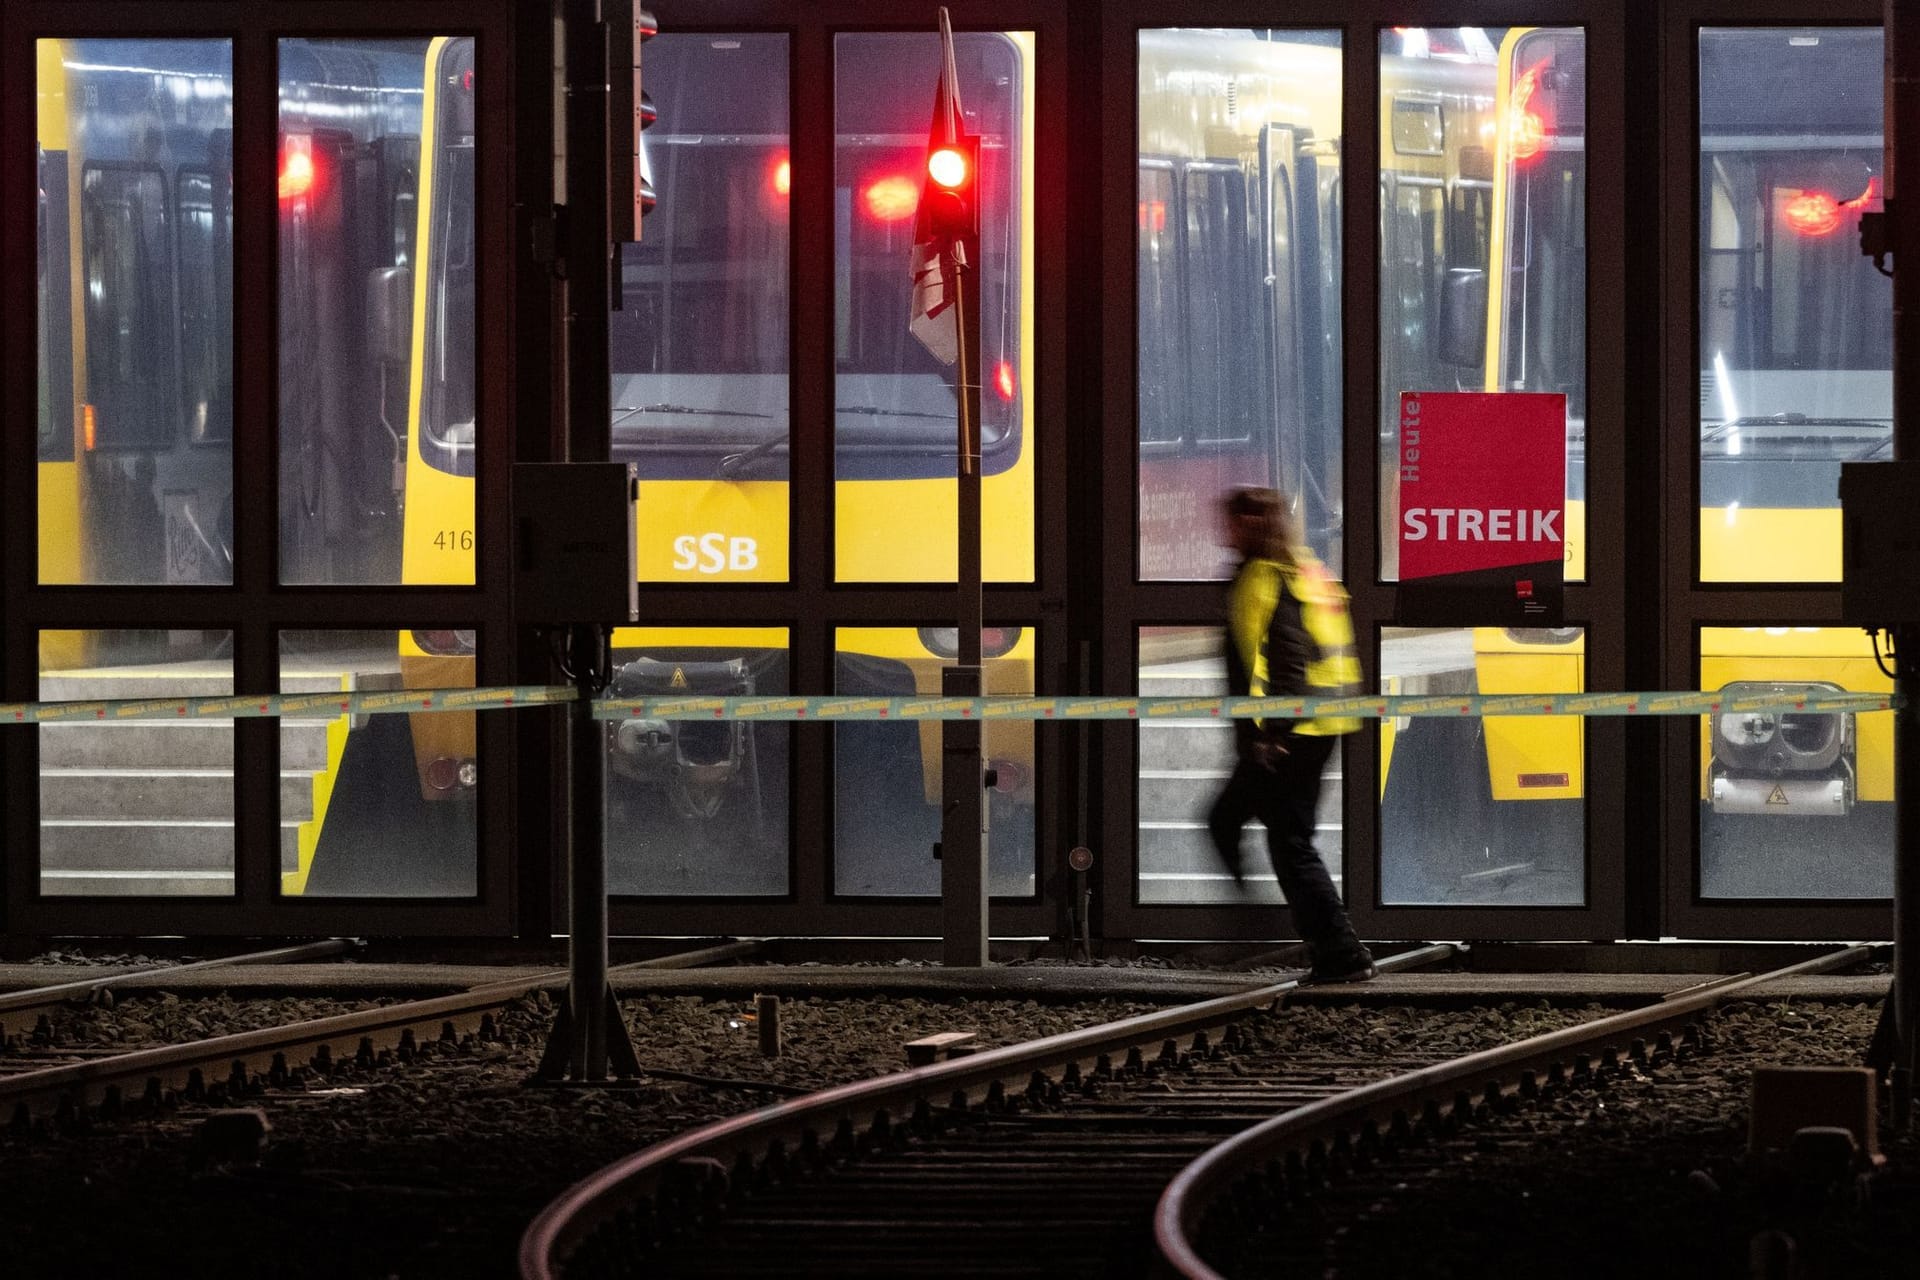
(573, 542)
(1880, 543)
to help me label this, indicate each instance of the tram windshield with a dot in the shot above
(1796, 326)
(700, 346)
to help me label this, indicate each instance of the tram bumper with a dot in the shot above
(1782, 763)
(693, 763)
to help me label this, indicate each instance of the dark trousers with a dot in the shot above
(1286, 797)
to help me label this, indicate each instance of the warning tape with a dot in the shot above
(1371, 708)
(384, 701)
(1387, 706)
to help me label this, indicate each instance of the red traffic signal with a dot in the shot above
(953, 187)
(949, 167)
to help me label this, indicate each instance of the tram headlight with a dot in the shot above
(1779, 742)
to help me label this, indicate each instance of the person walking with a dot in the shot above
(1288, 634)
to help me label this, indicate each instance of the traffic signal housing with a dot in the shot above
(952, 189)
(631, 114)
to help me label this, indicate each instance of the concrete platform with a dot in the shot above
(1053, 982)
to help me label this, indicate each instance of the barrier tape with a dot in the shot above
(1386, 706)
(380, 702)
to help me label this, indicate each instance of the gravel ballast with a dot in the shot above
(433, 1169)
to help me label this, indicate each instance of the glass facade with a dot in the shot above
(1483, 253)
(376, 291)
(1796, 326)
(700, 345)
(135, 311)
(136, 808)
(895, 429)
(1184, 765)
(378, 806)
(1483, 811)
(1794, 805)
(698, 808)
(887, 776)
(1239, 287)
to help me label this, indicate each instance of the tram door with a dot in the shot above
(260, 398)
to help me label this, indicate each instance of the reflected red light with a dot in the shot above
(1812, 213)
(296, 172)
(1815, 213)
(1153, 215)
(782, 177)
(1526, 130)
(892, 198)
(1003, 380)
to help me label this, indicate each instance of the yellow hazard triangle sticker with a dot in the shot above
(680, 682)
(1778, 795)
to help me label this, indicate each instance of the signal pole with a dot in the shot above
(963, 828)
(588, 1037)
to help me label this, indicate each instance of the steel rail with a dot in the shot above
(75, 1085)
(573, 1217)
(37, 1000)
(1492, 1074)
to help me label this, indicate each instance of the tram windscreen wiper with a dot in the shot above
(734, 463)
(875, 411)
(623, 412)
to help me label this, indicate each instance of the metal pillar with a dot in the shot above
(587, 1034)
(963, 827)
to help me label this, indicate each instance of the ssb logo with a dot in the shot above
(715, 553)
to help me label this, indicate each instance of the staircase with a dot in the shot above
(1183, 765)
(145, 808)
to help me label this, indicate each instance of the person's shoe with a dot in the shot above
(1337, 969)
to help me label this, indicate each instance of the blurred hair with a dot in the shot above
(1276, 539)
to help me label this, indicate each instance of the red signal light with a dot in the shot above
(948, 167)
(296, 169)
(1003, 380)
(783, 177)
(1815, 213)
(1812, 213)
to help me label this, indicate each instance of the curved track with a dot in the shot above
(1125, 1107)
(1043, 1158)
(1216, 1202)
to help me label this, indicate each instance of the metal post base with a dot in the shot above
(563, 1064)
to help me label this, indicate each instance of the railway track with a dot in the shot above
(70, 1085)
(1218, 1216)
(1046, 1158)
(1046, 1143)
(25, 1012)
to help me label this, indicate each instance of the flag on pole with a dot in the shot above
(935, 285)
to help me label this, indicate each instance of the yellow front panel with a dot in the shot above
(1518, 745)
(1770, 544)
(904, 530)
(712, 531)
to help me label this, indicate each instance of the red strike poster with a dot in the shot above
(1482, 486)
